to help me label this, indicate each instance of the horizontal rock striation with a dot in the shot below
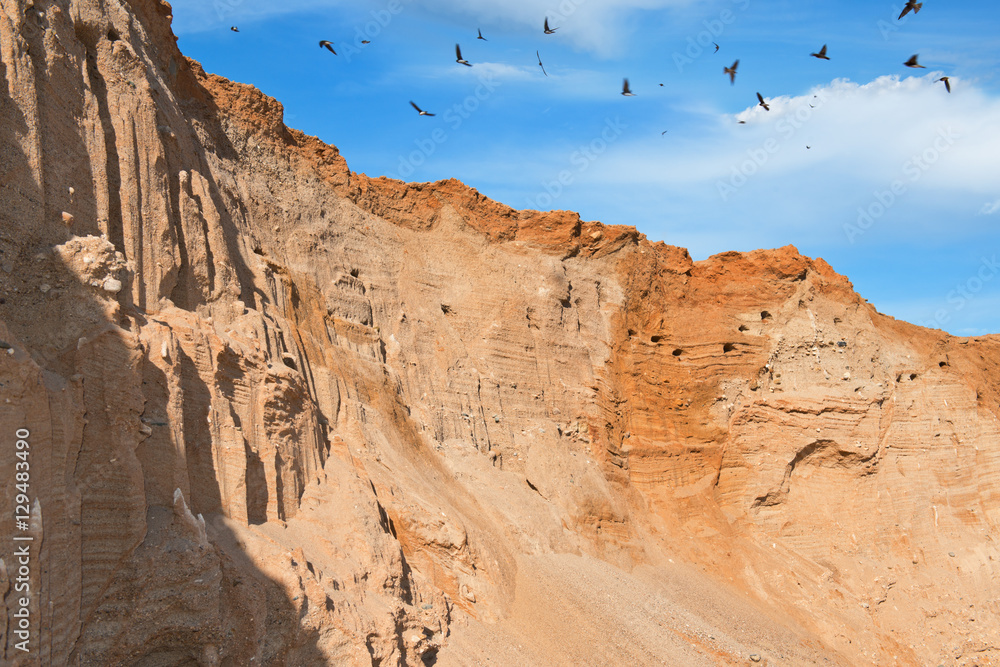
(283, 413)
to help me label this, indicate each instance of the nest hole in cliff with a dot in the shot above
(113, 35)
(744, 327)
(678, 352)
(655, 339)
(289, 361)
(764, 315)
(445, 308)
(942, 364)
(728, 347)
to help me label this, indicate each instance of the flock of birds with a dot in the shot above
(911, 5)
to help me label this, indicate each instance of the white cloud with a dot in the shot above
(888, 130)
(990, 208)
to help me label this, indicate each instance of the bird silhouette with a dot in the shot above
(548, 30)
(234, 29)
(481, 36)
(365, 41)
(540, 64)
(912, 62)
(459, 59)
(821, 55)
(731, 71)
(947, 83)
(626, 91)
(911, 4)
(328, 45)
(716, 48)
(422, 112)
(763, 103)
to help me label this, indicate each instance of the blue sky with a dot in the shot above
(899, 188)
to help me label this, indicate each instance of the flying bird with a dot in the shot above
(911, 4)
(365, 41)
(947, 83)
(329, 46)
(460, 60)
(912, 62)
(716, 48)
(234, 28)
(548, 30)
(821, 55)
(422, 112)
(626, 91)
(664, 132)
(540, 64)
(481, 36)
(731, 71)
(763, 103)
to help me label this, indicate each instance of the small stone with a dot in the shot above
(112, 285)
(951, 553)
(67, 218)
(44, 288)
(596, 235)
(71, 191)
(755, 657)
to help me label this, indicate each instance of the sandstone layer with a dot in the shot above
(282, 413)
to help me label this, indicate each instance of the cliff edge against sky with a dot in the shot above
(285, 414)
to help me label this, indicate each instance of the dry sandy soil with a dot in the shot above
(285, 414)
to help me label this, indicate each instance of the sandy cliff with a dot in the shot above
(282, 413)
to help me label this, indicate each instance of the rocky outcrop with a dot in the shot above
(283, 413)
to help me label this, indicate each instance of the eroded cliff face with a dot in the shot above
(283, 413)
